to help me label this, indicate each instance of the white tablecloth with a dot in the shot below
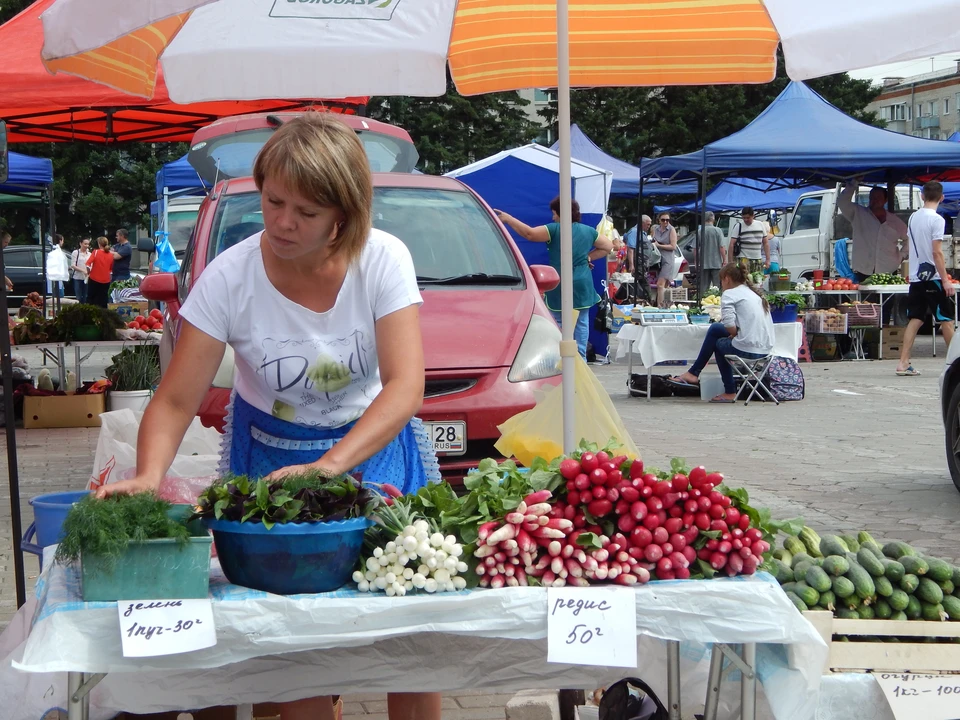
(657, 344)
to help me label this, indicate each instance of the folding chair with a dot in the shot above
(751, 373)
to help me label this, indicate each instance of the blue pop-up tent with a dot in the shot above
(626, 177)
(523, 181)
(734, 194)
(179, 178)
(27, 178)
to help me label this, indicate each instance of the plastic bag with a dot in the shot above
(193, 468)
(166, 259)
(58, 266)
(539, 432)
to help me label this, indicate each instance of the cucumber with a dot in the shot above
(951, 606)
(788, 587)
(794, 546)
(800, 557)
(800, 570)
(828, 600)
(929, 591)
(869, 562)
(782, 572)
(915, 565)
(832, 545)
(852, 602)
(899, 600)
(874, 548)
(836, 565)
(817, 579)
(897, 550)
(845, 614)
(956, 577)
(811, 541)
(866, 612)
(843, 588)
(798, 603)
(863, 537)
(882, 609)
(938, 570)
(898, 615)
(947, 586)
(851, 542)
(932, 612)
(783, 555)
(806, 593)
(909, 583)
(862, 581)
(914, 610)
(884, 586)
(893, 570)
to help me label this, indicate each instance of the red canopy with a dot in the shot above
(41, 107)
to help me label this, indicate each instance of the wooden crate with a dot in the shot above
(854, 655)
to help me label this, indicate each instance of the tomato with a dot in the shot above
(140, 319)
(156, 313)
(134, 325)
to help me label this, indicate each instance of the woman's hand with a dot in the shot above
(132, 486)
(301, 470)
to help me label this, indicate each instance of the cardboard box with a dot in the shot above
(63, 411)
(129, 310)
(892, 339)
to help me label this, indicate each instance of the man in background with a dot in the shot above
(875, 232)
(122, 252)
(930, 288)
(748, 241)
(631, 240)
(714, 254)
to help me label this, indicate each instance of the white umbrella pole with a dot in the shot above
(568, 347)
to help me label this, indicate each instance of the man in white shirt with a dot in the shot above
(930, 288)
(749, 240)
(875, 232)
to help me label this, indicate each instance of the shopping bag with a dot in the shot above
(193, 469)
(166, 259)
(58, 266)
(538, 432)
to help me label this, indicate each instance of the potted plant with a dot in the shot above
(83, 321)
(133, 374)
(301, 534)
(784, 306)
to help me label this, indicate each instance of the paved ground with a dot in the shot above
(870, 457)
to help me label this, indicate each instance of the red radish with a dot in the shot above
(538, 509)
(635, 553)
(571, 486)
(718, 525)
(678, 560)
(750, 565)
(569, 512)
(573, 497)
(643, 575)
(664, 565)
(598, 477)
(636, 469)
(662, 489)
(733, 516)
(690, 554)
(612, 494)
(515, 518)
(652, 553)
(704, 503)
(760, 547)
(717, 512)
(599, 492)
(678, 541)
(641, 537)
(525, 542)
(630, 494)
(675, 512)
(596, 530)
(654, 504)
(715, 479)
(726, 502)
(579, 522)
(589, 462)
(706, 489)
(582, 481)
(698, 476)
(704, 554)
(682, 573)
(660, 535)
(672, 498)
(621, 507)
(603, 457)
(695, 494)
(725, 547)
(586, 497)
(626, 579)
(608, 467)
(712, 544)
(744, 522)
(667, 575)
(599, 508)
(718, 561)
(737, 533)
(753, 534)
(484, 531)
(619, 461)
(746, 552)
(734, 565)
(691, 505)
(716, 496)
(691, 534)
(614, 477)
(673, 525)
(667, 548)
(646, 492)
(688, 519)
(651, 522)
(702, 521)
(569, 469)
(638, 511)
(679, 482)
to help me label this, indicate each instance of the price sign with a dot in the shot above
(592, 626)
(931, 697)
(149, 628)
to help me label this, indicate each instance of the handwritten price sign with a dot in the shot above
(150, 628)
(592, 626)
(931, 697)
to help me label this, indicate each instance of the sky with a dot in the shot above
(906, 69)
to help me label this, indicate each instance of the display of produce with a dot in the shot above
(804, 285)
(840, 284)
(884, 279)
(829, 321)
(857, 578)
(151, 322)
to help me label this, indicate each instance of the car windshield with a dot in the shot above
(452, 238)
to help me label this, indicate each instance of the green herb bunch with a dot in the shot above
(72, 317)
(136, 368)
(310, 497)
(781, 300)
(106, 527)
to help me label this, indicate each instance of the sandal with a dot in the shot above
(721, 399)
(677, 382)
(909, 372)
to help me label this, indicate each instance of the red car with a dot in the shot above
(488, 338)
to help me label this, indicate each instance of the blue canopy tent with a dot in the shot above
(955, 137)
(179, 178)
(523, 181)
(28, 178)
(734, 194)
(626, 177)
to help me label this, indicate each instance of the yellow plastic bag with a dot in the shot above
(538, 432)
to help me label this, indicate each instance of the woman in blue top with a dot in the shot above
(588, 245)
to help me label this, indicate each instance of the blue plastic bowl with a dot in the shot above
(290, 558)
(49, 512)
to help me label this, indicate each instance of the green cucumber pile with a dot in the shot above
(857, 578)
(884, 279)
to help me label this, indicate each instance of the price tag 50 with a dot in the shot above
(592, 626)
(150, 628)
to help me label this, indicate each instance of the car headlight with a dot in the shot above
(539, 353)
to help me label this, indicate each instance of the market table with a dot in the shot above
(661, 343)
(272, 648)
(57, 351)
(889, 291)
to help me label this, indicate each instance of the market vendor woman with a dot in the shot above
(322, 312)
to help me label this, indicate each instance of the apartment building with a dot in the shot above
(538, 99)
(925, 105)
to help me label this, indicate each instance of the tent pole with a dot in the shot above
(639, 256)
(568, 347)
(9, 424)
(701, 235)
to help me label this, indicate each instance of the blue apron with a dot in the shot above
(256, 443)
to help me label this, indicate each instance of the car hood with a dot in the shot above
(475, 328)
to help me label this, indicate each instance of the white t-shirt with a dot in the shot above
(315, 369)
(742, 308)
(925, 226)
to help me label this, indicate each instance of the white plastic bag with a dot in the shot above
(58, 266)
(193, 467)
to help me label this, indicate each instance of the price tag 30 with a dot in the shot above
(592, 626)
(931, 697)
(149, 628)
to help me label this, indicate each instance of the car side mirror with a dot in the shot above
(146, 245)
(160, 287)
(545, 277)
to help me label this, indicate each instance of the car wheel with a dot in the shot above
(952, 432)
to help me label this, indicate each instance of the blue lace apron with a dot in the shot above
(256, 443)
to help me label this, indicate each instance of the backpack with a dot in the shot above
(618, 703)
(785, 379)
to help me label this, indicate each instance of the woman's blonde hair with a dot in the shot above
(322, 159)
(103, 243)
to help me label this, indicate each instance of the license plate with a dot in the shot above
(449, 438)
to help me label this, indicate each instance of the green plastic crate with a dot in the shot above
(153, 570)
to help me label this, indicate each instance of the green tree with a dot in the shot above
(454, 130)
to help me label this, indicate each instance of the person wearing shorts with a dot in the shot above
(931, 291)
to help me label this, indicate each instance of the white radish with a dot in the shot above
(408, 573)
(363, 586)
(436, 540)
(459, 583)
(357, 576)
(418, 580)
(390, 578)
(431, 585)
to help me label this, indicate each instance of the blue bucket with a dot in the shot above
(290, 558)
(49, 512)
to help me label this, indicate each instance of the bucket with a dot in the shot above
(710, 386)
(786, 314)
(49, 512)
(817, 278)
(135, 400)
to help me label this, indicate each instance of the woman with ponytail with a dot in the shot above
(745, 329)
